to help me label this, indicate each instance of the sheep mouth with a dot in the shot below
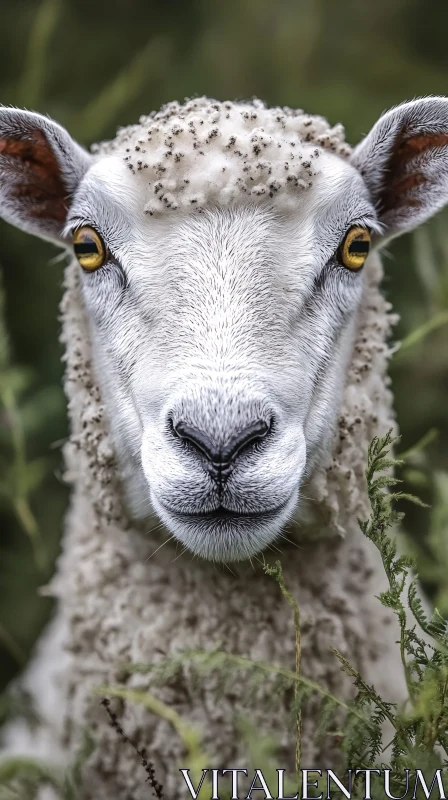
(222, 514)
(224, 534)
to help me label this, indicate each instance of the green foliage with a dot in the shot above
(22, 777)
(18, 476)
(26, 559)
(276, 572)
(35, 70)
(419, 726)
(189, 736)
(72, 781)
(432, 551)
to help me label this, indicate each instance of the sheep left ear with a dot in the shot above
(404, 162)
(40, 169)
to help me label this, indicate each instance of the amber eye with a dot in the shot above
(355, 248)
(89, 248)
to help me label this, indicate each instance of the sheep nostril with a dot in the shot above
(252, 433)
(200, 440)
(220, 458)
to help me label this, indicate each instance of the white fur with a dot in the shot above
(228, 316)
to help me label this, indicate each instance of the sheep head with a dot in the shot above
(223, 250)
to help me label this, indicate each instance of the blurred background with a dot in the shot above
(96, 65)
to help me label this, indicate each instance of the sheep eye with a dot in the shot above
(355, 248)
(89, 248)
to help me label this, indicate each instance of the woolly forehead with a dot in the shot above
(113, 200)
(205, 151)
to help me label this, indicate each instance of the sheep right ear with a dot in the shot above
(40, 169)
(404, 162)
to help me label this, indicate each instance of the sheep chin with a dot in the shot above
(225, 536)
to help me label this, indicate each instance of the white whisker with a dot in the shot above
(290, 541)
(154, 528)
(160, 547)
(180, 554)
(230, 570)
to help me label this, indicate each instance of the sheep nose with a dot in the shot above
(220, 458)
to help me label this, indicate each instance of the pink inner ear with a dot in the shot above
(399, 180)
(36, 176)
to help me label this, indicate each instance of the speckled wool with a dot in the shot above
(119, 601)
(205, 151)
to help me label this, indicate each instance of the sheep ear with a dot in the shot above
(404, 162)
(40, 169)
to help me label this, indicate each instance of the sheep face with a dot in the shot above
(221, 341)
(221, 338)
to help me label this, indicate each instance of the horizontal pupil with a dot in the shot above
(86, 249)
(359, 246)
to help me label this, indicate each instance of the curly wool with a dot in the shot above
(121, 600)
(206, 151)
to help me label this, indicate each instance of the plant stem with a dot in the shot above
(10, 644)
(187, 733)
(422, 331)
(296, 614)
(20, 500)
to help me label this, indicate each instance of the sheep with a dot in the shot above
(226, 368)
